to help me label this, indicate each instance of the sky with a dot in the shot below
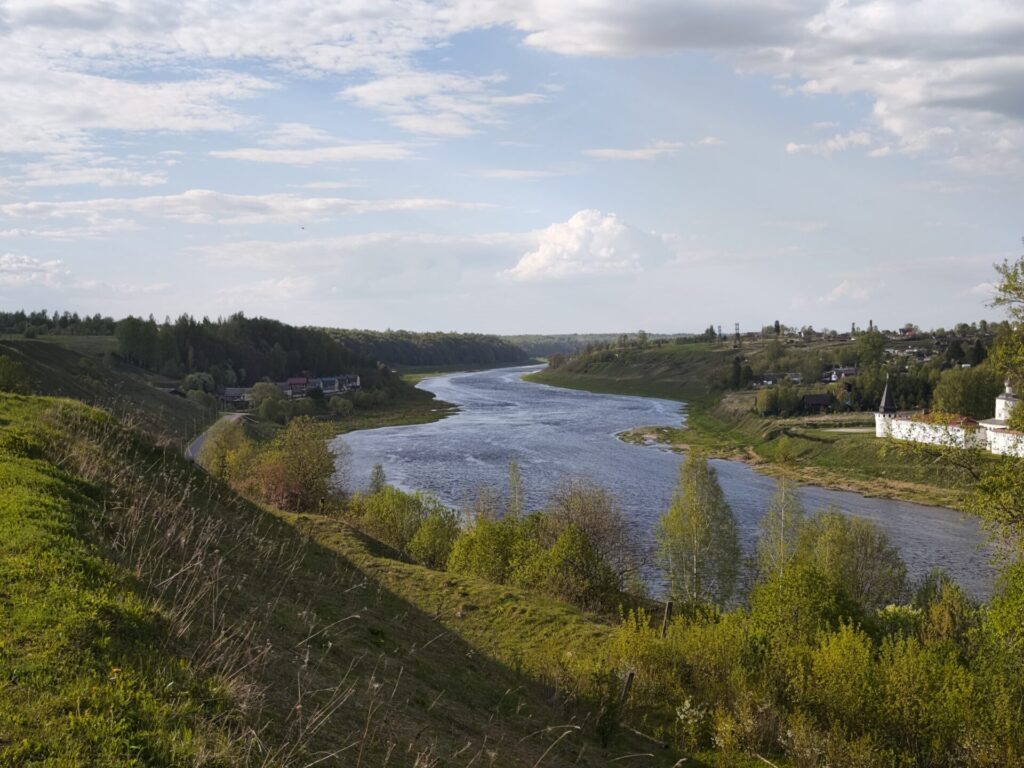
(536, 166)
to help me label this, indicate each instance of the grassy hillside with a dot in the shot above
(153, 617)
(674, 371)
(56, 370)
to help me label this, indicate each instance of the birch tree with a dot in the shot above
(697, 541)
(780, 530)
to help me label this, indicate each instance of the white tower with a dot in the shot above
(886, 413)
(1006, 402)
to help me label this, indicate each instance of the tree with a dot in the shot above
(378, 481)
(858, 554)
(968, 391)
(778, 328)
(223, 440)
(14, 377)
(296, 470)
(780, 530)
(870, 349)
(264, 391)
(697, 540)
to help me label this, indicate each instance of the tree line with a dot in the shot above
(41, 322)
(407, 348)
(240, 351)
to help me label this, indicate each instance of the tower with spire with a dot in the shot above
(886, 411)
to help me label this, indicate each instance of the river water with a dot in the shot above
(555, 434)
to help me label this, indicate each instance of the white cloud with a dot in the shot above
(295, 135)
(851, 289)
(314, 155)
(203, 206)
(589, 243)
(437, 103)
(649, 152)
(840, 142)
(943, 76)
(18, 271)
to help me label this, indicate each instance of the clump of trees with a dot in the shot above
(297, 470)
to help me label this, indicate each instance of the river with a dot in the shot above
(556, 433)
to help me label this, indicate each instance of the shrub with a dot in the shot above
(432, 543)
(13, 377)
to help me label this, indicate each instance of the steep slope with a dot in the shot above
(154, 616)
(124, 390)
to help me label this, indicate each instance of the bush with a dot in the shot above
(485, 549)
(432, 543)
(13, 377)
(340, 405)
(576, 572)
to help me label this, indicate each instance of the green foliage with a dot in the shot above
(576, 572)
(262, 391)
(392, 516)
(968, 391)
(857, 554)
(406, 348)
(14, 377)
(224, 442)
(432, 543)
(485, 549)
(781, 529)
(295, 469)
(340, 406)
(202, 382)
(378, 480)
(697, 540)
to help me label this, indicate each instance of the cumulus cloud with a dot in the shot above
(589, 243)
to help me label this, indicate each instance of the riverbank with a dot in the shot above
(838, 451)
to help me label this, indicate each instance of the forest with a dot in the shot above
(240, 351)
(410, 349)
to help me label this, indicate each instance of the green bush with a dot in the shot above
(432, 543)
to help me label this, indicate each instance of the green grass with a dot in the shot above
(152, 617)
(87, 680)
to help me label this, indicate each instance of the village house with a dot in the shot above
(993, 435)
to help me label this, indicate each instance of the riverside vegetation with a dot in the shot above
(254, 615)
(769, 427)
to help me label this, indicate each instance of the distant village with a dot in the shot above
(240, 398)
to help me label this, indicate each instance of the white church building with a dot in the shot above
(993, 435)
